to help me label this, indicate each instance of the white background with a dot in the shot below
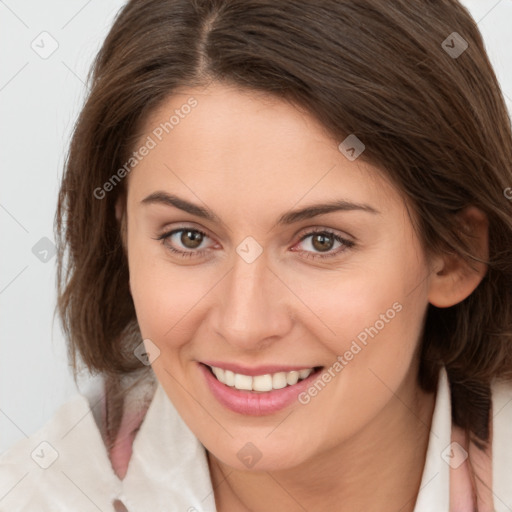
(39, 101)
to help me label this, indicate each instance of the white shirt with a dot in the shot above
(168, 470)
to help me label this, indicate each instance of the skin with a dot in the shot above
(249, 158)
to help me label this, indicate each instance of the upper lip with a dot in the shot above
(257, 370)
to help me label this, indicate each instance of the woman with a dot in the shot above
(289, 259)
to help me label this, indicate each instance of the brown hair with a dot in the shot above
(435, 123)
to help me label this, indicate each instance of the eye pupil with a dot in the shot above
(322, 242)
(191, 239)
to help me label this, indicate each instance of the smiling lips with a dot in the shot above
(265, 382)
(258, 393)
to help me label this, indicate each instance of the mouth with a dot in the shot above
(263, 383)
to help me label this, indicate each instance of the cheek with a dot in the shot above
(377, 320)
(166, 296)
(365, 304)
(377, 316)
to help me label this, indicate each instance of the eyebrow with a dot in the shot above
(290, 217)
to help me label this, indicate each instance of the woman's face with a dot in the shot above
(260, 288)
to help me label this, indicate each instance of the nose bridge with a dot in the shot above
(252, 306)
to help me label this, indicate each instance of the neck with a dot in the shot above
(379, 469)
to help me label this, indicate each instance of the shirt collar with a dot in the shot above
(168, 464)
(435, 481)
(172, 463)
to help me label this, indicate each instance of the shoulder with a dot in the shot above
(502, 443)
(62, 466)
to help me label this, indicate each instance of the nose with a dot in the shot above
(253, 306)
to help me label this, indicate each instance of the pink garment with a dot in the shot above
(470, 482)
(121, 451)
(135, 406)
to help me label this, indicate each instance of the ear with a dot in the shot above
(453, 279)
(120, 208)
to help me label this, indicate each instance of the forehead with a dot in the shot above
(225, 142)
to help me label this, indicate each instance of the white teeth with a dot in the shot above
(305, 373)
(219, 372)
(292, 378)
(260, 383)
(229, 378)
(243, 382)
(279, 380)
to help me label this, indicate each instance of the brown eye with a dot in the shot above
(322, 242)
(191, 239)
(185, 242)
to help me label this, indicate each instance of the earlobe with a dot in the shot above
(453, 279)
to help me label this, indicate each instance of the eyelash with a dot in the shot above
(184, 254)
(346, 244)
(187, 254)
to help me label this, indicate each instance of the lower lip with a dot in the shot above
(252, 403)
